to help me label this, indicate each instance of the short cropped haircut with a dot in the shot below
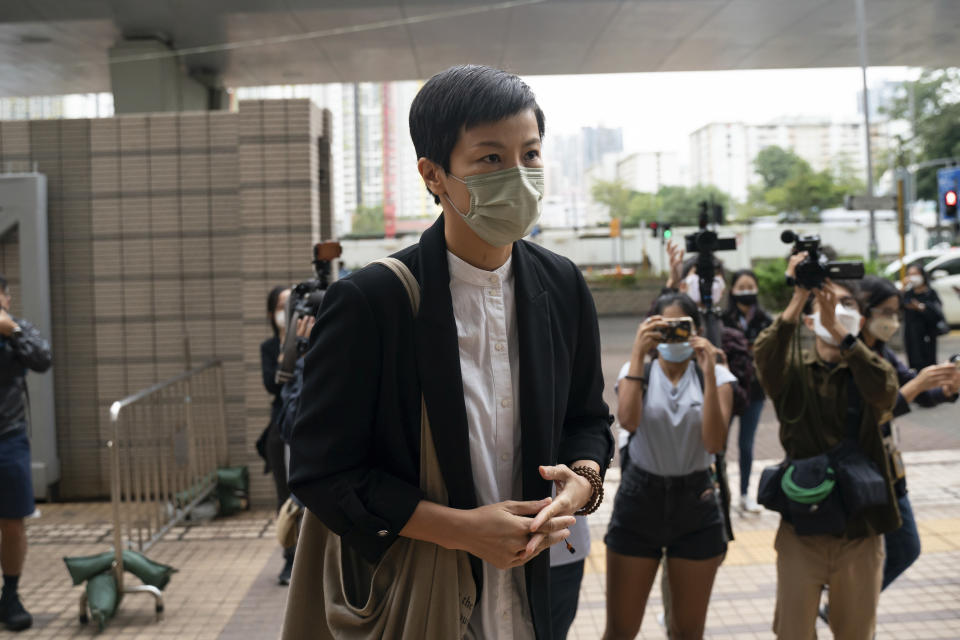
(460, 98)
(674, 298)
(874, 291)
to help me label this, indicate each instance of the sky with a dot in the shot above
(658, 111)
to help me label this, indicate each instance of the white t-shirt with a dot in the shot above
(668, 440)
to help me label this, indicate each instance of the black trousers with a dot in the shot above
(564, 595)
(278, 467)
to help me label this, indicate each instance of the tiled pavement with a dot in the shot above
(226, 586)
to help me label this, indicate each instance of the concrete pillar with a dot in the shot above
(145, 79)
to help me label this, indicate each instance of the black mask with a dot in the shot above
(747, 299)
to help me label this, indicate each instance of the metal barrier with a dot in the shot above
(167, 442)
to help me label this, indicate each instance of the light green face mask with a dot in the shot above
(504, 205)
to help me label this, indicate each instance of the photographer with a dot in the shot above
(678, 406)
(933, 385)
(744, 314)
(21, 348)
(841, 392)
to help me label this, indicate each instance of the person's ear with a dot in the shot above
(682, 285)
(863, 322)
(433, 176)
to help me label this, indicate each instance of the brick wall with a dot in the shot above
(168, 229)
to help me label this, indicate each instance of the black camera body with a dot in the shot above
(677, 330)
(816, 267)
(304, 302)
(707, 241)
(704, 243)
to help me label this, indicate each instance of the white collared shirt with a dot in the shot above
(486, 315)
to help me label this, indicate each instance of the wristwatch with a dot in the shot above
(848, 342)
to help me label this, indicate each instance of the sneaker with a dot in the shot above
(13, 615)
(284, 578)
(749, 504)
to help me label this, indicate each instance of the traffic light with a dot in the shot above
(665, 229)
(950, 201)
(654, 228)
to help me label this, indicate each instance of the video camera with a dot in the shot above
(304, 301)
(704, 243)
(815, 268)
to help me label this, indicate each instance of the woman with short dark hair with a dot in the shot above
(923, 312)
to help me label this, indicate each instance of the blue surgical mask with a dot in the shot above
(675, 351)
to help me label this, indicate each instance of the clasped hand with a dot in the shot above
(509, 534)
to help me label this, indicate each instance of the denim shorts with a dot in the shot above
(679, 514)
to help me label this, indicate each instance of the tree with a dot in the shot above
(775, 165)
(790, 185)
(368, 220)
(932, 105)
(632, 207)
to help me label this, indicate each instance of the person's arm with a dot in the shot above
(771, 349)
(926, 388)
(29, 347)
(630, 388)
(268, 367)
(586, 424)
(675, 252)
(717, 402)
(331, 470)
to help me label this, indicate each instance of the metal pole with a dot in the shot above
(901, 223)
(862, 38)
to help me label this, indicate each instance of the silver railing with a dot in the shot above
(166, 444)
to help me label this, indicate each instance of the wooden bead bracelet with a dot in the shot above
(596, 483)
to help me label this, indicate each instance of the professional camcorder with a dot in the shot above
(304, 302)
(704, 243)
(816, 268)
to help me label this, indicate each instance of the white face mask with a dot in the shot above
(883, 328)
(914, 280)
(848, 319)
(693, 288)
(280, 318)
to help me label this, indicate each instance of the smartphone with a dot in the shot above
(677, 329)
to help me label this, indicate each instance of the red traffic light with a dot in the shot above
(653, 225)
(950, 198)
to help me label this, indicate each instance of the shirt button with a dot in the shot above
(505, 403)
(494, 279)
(504, 457)
(383, 533)
(499, 346)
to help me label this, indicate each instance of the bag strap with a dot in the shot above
(431, 477)
(406, 277)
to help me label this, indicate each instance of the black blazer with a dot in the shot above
(355, 444)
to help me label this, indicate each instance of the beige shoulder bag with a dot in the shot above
(418, 590)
